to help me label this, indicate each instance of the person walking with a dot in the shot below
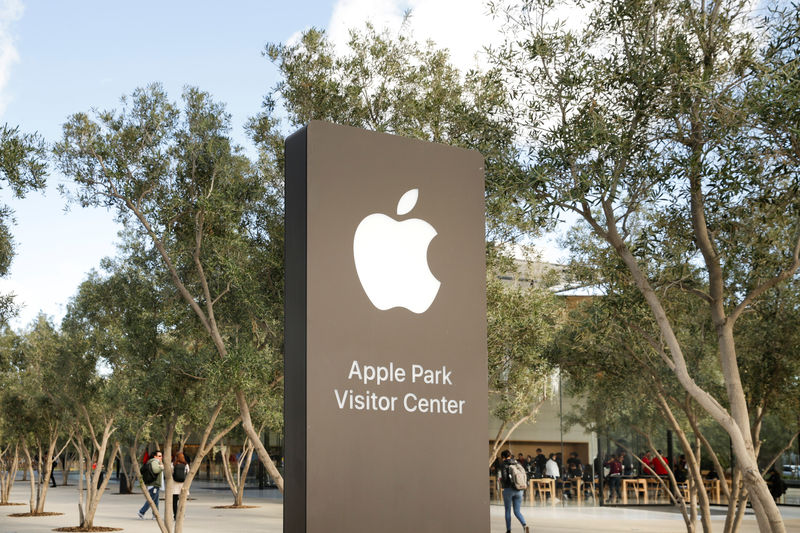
(53, 474)
(179, 470)
(152, 482)
(512, 497)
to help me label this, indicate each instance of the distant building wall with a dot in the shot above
(545, 433)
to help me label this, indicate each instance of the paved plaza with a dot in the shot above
(118, 510)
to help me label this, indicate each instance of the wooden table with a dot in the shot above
(714, 488)
(534, 483)
(638, 484)
(578, 484)
(651, 483)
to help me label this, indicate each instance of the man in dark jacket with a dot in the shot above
(540, 461)
(511, 495)
(777, 487)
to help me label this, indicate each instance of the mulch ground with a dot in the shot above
(236, 507)
(25, 515)
(95, 528)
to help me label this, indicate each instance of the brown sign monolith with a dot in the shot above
(385, 368)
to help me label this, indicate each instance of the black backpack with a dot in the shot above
(148, 476)
(179, 473)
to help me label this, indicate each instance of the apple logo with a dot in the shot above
(392, 259)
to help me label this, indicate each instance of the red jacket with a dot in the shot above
(660, 465)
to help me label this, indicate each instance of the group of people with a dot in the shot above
(619, 465)
(547, 466)
(540, 466)
(180, 468)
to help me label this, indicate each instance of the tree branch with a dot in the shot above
(761, 289)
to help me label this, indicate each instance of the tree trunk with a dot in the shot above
(97, 493)
(740, 510)
(263, 455)
(500, 442)
(81, 477)
(48, 470)
(8, 476)
(138, 471)
(702, 495)
(205, 446)
(693, 462)
(226, 469)
(243, 475)
(733, 500)
(124, 471)
(167, 488)
(65, 466)
(29, 470)
(675, 498)
(767, 513)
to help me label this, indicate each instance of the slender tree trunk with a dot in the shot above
(167, 451)
(31, 479)
(81, 477)
(8, 475)
(98, 495)
(205, 446)
(707, 445)
(496, 445)
(740, 510)
(66, 465)
(735, 499)
(500, 442)
(52, 455)
(675, 498)
(263, 454)
(767, 513)
(143, 488)
(693, 462)
(243, 475)
(236, 485)
(38, 472)
(124, 471)
(95, 488)
(226, 469)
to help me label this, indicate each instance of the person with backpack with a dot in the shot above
(179, 470)
(151, 476)
(514, 481)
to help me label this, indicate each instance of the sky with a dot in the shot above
(58, 58)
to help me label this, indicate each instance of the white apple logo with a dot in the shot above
(392, 259)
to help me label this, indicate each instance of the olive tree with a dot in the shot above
(646, 107)
(185, 191)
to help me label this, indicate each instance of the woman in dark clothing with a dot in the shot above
(180, 469)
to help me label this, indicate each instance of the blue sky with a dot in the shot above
(58, 58)
(72, 56)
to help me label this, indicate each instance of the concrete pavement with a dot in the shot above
(120, 511)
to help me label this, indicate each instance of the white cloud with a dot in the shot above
(464, 27)
(10, 12)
